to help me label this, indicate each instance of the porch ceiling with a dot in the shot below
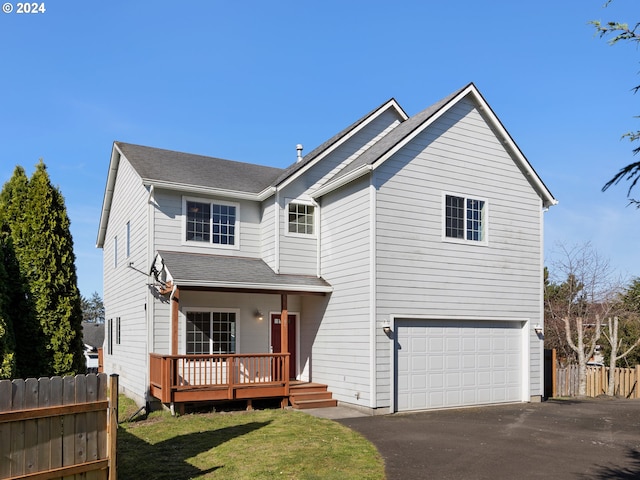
(194, 270)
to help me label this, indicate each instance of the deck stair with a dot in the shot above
(304, 395)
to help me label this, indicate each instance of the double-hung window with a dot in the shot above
(465, 218)
(210, 332)
(211, 222)
(301, 219)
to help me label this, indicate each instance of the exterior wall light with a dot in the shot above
(386, 327)
(258, 315)
(537, 328)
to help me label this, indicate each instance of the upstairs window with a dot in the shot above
(211, 222)
(465, 218)
(301, 219)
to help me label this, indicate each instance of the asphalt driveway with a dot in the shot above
(557, 439)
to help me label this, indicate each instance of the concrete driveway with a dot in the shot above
(557, 439)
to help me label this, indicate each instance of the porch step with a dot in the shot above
(310, 395)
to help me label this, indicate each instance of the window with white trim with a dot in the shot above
(211, 222)
(301, 218)
(465, 218)
(210, 332)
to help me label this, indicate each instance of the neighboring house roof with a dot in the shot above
(93, 334)
(205, 270)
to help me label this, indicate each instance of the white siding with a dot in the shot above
(298, 255)
(170, 231)
(125, 289)
(341, 352)
(418, 272)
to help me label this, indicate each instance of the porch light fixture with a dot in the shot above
(258, 315)
(386, 327)
(537, 328)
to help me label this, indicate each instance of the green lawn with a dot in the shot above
(273, 443)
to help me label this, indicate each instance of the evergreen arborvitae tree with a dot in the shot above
(7, 340)
(48, 262)
(30, 347)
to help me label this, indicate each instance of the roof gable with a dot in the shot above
(338, 139)
(406, 131)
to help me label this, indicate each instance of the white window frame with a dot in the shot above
(291, 201)
(485, 219)
(211, 310)
(210, 244)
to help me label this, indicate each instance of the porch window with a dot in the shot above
(211, 332)
(211, 222)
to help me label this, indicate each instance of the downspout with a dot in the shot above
(276, 226)
(172, 406)
(373, 379)
(149, 310)
(316, 205)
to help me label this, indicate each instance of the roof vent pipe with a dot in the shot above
(299, 149)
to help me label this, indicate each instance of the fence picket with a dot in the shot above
(17, 429)
(31, 427)
(68, 424)
(55, 398)
(5, 429)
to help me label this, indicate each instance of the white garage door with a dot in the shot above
(457, 363)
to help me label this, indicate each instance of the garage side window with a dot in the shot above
(465, 218)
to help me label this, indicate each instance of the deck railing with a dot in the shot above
(217, 377)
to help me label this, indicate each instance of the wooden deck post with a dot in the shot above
(175, 305)
(284, 344)
(284, 325)
(113, 426)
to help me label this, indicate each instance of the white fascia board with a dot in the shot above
(548, 199)
(383, 108)
(114, 163)
(215, 192)
(349, 177)
(254, 286)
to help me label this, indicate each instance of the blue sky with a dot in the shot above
(249, 80)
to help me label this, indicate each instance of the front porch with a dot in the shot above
(180, 379)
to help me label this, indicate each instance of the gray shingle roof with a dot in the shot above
(206, 270)
(197, 170)
(93, 334)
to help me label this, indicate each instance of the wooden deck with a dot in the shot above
(180, 379)
(198, 378)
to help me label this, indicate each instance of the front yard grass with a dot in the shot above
(262, 444)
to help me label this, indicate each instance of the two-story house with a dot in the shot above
(399, 263)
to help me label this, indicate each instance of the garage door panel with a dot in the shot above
(457, 363)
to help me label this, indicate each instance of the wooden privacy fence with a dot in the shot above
(59, 427)
(626, 381)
